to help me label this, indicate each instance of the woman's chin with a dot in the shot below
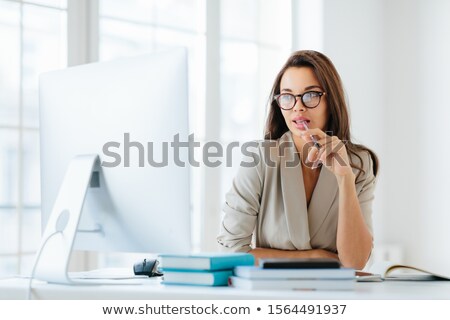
(296, 132)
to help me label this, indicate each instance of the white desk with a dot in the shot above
(152, 290)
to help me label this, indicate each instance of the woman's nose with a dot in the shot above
(298, 105)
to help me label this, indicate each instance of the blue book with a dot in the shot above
(198, 278)
(205, 261)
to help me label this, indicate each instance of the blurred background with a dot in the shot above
(392, 56)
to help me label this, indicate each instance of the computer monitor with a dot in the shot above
(127, 112)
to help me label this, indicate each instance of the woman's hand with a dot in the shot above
(332, 152)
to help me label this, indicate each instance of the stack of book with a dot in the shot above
(207, 269)
(293, 274)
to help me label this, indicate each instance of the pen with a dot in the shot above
(313, 138)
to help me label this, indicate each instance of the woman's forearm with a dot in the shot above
(276, 253)
(354, 242)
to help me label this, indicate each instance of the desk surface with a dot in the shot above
(151, 289)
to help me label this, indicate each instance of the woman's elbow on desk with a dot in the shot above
(259, 253)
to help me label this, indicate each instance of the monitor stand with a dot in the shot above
(52, 259)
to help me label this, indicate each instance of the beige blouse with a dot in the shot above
(266, 206)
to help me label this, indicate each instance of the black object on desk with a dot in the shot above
(299, 263)
(147, 267)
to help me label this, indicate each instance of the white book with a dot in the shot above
(253, 272)
(394, 271)
(291, 284)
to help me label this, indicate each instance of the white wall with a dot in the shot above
(393, 58)
(403, 166)
(433, 108)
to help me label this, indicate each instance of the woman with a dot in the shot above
(310, 191)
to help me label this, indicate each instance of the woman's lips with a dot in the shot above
(301, 124)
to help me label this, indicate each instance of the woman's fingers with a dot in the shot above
(316, 145)
(327, 150)
(313, 154)
(334, 153)
(313, 134)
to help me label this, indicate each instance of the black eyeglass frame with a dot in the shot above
(320, 93)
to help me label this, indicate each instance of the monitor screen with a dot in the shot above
(127, 112)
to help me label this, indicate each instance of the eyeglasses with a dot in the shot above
(287, 101)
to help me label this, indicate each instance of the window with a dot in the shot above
(251, 39)
(33, 37)
(255, 42)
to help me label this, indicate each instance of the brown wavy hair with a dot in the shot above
(338, 122)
